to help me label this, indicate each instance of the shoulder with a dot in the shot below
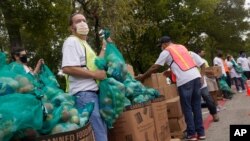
(164, 53)
(70, 39)
(71, 43)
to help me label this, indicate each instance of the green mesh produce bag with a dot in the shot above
(47, 77)
(111, 100)
(119, 89)
(224, 86)
(17, 112)
(2, 60)
(138, 93)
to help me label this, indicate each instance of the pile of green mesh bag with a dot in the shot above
(119, 89)
(35, 102)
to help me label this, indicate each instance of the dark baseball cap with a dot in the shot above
(163, 39)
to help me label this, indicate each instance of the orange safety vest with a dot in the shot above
(225, 66)
(181, 57)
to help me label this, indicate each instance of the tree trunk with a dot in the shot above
(12, 24)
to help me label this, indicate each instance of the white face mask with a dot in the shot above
(82, 28)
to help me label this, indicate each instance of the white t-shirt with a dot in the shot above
(182, 77)
(205, 78)
(74, 55)
(233, 73)
(244, 63)
(219, 62)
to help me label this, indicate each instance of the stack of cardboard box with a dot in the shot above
(145, 121)
(135, 124)
(175, 116)
(150, 121)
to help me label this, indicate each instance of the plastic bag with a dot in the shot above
(17, 112)
(224, 86)
(111, 100)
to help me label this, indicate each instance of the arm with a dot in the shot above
(148, 73)
(202, 68)
(104, 45)
(38, 66)
(103, 48)
(83, 73)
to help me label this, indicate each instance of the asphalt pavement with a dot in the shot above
(235, 111)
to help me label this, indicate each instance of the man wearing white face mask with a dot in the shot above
(78, 62)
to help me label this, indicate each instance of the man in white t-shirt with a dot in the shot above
(82, 84)
(244, 63)
(211, 105)
(188, 83)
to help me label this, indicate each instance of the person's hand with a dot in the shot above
(104, 44)
(109, 40)
(40, 62)
(139, 77)
(100, 74)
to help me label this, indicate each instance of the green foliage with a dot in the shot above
(136, 26)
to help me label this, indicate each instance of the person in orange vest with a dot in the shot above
(188, 80)
(227, 72)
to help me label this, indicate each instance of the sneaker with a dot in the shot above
(240, 91)
(215, 118)
(202, 137)
(218, 108)
(191, 138)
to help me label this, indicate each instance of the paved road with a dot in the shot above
(236, 111)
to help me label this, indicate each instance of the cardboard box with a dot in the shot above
(170, 91)
(151, 81)
(176, 139)
(161, 91)
(159, 108)
(214, 71)
(174, 107)
(161, 80)
(130, 70)
(156, 80)
(81, 134)
(178, 134)
(177, 124)
(135, 124)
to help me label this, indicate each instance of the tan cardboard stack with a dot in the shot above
(175, 116)
(160, 115)
(142, 122)
(135, 124)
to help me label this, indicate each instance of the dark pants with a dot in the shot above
(191, 106)
(247, 74)
(209, 101)
(236, 81)
(228, 79)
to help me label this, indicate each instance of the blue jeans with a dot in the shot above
(236, 80)
(209, 101)
(98, 125)
(191, 106)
